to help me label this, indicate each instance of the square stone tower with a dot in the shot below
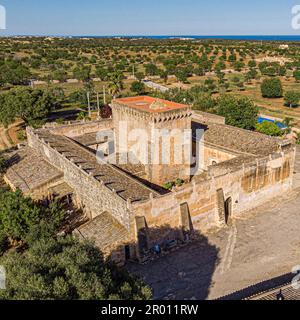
(159, 129)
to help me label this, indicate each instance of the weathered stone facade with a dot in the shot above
(241, 170)
(148, 116)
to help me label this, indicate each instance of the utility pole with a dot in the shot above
(104, 95)
(89, 104)
(98, 104)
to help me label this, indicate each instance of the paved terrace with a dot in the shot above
(125, 186)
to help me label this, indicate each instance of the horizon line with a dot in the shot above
(150, 35)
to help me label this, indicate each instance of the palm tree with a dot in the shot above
(116, 83)
(288, 123)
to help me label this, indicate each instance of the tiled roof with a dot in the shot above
(113, 178)
(239, 140)
(104, 230)
(286, 292)
(29, 170)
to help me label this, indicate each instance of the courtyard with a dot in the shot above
(260, 245)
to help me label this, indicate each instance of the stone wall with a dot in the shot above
(214, 155)
(147, 123)
(248, 186)
(93, 197)
(204, 117)
(246, 180)
(81, 128)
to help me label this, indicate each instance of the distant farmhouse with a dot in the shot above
(284, 46)
(281, 60)
(128, 211)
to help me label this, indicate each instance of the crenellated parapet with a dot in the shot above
(157, 116)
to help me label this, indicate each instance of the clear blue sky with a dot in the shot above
(149, 17)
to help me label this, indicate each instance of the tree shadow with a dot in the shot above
(177, 264)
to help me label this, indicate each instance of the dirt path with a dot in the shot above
(8, 136)
(4, 141)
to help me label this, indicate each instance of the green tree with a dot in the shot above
(13, 72)
(31, 105)
(269, 128)
(82, 73)
(164, 75)
(140, 76)
(292, 98)
(7, 115)
(238, 65)
(116, 83)
(251, 74)
(3, 163)
(80, 97)
(296, 75)
(181, 74)
(288, 123)
(252, 64)
(210, 85)
(272, 88)
(19, 215)
(151, 69)
(60, 75)
(137, 87)
(238, 111)
(203, 101)
(102, 73)
(66, 269)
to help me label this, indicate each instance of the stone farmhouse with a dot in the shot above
(127, 209)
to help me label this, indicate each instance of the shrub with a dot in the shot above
(66, 269)
(269, 128)
(272, 88)
(169, 185)
(179, 182)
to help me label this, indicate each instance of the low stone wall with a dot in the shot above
(207, 117)
(81, 128)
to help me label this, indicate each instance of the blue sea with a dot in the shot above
(295, 38)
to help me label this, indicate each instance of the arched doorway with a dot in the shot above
(228, 210)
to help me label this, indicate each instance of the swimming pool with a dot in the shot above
(279, 124)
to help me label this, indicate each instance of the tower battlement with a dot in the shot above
(149, 115)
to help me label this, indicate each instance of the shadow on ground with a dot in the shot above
(179, 275)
